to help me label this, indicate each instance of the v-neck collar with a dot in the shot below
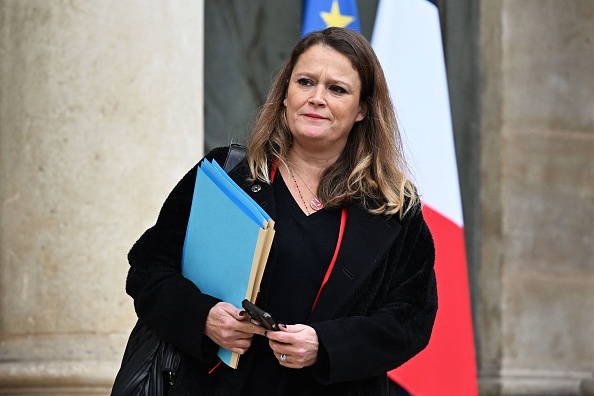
(296, 209)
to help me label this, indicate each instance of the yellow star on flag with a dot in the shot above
(334, 18)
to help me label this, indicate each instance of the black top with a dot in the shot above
(305, 246)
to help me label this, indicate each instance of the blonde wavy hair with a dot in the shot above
(371, 168)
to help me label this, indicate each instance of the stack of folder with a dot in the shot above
(227, 241)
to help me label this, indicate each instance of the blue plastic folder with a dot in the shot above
(227, 241)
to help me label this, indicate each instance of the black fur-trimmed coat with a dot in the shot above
(376, 311)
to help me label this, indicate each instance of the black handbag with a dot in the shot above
(150, 365)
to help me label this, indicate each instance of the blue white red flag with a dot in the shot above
(407, 40)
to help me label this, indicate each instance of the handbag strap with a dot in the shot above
(236, 154)
(343, 218)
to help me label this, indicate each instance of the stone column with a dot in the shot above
(100, 115)
(537, 203)
(488, 310)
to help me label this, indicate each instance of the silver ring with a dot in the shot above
(283, 358)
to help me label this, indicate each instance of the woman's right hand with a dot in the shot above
(228, 327)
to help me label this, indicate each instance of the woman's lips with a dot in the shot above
(315, 116)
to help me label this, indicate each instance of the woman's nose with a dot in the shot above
(318, 96)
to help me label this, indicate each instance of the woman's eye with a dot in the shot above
(337, 89)
(304, 82)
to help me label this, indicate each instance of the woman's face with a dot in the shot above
(322, 99)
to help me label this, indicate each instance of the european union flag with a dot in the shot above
(320, 14)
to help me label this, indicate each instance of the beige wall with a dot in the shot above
(100, 114)
(537, 196)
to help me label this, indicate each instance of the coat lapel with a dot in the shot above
(366, 241)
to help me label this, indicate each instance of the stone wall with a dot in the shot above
(537, 196)
(100, 115)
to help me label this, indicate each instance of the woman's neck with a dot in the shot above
(312, 164)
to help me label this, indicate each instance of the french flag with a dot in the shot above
(407, 41)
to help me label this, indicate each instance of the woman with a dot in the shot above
(325, 162)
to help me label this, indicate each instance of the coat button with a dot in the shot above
(256, 188)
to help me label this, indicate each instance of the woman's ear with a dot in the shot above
(285, 102)
(362, 112)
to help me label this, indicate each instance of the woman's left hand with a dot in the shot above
(295, 346)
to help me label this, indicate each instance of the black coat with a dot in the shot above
(376, 311)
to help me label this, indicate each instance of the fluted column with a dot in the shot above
(100, 114)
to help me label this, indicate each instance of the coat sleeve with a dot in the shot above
(164, 300)
(398, 323)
